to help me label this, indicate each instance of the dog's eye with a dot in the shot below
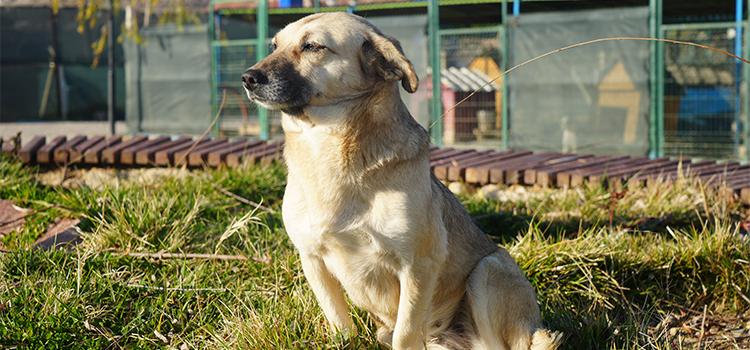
(312, 47)
(273, 47)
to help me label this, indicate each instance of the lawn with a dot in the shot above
(664, 267)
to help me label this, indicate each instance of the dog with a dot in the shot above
(364, 212)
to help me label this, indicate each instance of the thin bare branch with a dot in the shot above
(166, 256)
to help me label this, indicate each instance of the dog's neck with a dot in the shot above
(365, 132)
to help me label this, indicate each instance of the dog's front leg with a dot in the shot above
(418, 279)
(417, 285)
(329, 293)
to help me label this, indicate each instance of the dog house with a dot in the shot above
(476, 118)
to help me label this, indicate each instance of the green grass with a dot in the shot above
(669, 248)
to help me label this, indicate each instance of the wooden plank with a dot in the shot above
(626, 172)
(549, 176)
(439, 152)
(721, 176)
(668, 175)
(270, 157)
(729, 168)
(147, 156)
(44, 154)
(737, 176)
(76, 153)
(639, 177)
(453, 153)
(510, 172)
(28, 151)
(199, 157)
(480, 173)
(745, 195)
(236, 158)
(739, 186)
(530, 175)
(181, 157)
(578, 177)
(61, 153)
(457, 171)
(716, 168)
(656, 174)
(440, 168)
(111, 154)
(682, 165)
(93, 154)
(449, 159)
(167, 155)
(216, 158)
(563, 178)
(127, 155)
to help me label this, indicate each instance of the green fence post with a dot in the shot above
(261, 18)
(436, 110)
(660, 72)
(505, 64)
(655, 132)
(214, 69)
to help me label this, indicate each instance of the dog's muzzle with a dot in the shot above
(276, 85)
(253, 78)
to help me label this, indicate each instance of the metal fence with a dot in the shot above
(697, 105)
(701, 96)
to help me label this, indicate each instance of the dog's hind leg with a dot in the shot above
(479, 302)
(502, 305)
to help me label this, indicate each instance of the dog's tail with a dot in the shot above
(543, 339)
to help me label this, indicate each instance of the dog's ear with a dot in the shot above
(382, 55)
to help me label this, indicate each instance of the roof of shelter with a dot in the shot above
(467, 80)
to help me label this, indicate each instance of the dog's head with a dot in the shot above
(325, 59)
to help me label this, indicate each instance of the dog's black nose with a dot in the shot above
(252, 78)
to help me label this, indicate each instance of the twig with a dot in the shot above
(589, 42)
(703, 328)
(184, 256)
(139, 286)
(245, 200)
(739, 290)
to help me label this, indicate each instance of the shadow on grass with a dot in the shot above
(629, 315)
(504, 226)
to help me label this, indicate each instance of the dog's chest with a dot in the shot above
(360, 239)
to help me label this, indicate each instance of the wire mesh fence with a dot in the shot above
(470, 59)
(701, 114)
(701, 96)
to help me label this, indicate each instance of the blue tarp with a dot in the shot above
(701, 101)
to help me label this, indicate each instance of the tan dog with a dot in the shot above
(368, 219)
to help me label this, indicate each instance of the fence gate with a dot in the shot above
(701, 93)
(470, 58)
